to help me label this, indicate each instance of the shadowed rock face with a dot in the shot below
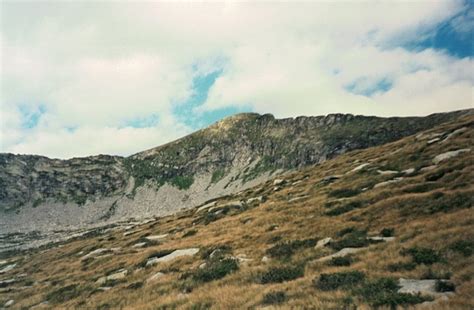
(232, 154)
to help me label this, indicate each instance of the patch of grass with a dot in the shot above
(384, 292)
(135, 285)
(344, 208)
(273, 298)
(422, 187)
(37, 202)
(401, 266)
(215, 270)
(465, 247)
(281, 274)
(341, 261)
(344, 192)
(287, 249)
(445, 286)
(345, 231)
(338, 280)
(67, 293)
(422, 255)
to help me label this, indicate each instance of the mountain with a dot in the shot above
(383, 227)
(241, 151)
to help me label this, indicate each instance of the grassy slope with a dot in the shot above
(433, 214)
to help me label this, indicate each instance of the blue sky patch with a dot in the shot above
(366, 87)
(186, 112)
(455, 36)
(30, 115)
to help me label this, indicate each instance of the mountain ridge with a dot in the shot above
(235, 153)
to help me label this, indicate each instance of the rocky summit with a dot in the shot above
(381, 227)
(42, 197)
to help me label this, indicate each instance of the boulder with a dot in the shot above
(428, 168)
(139, 245)
(278, 182)
(254, 199)
(414, 286)
(341, 253)
(381, 184)
(206, 206)
(387, 172)
(409, 171)
(156, 237)
(441, 157)
(173, 255)
(433, 141)
(121, 274)
(265, 259)
(7, 268)
(380, 238)
(360, 167)
(323, 242)
(9, 303)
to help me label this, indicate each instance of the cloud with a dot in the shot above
(125, 70)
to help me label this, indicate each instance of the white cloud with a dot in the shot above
(97, 65)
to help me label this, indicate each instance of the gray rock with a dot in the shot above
(206, 206)
(341, 253)
(381, 184)
(409, 171)
(139, 245)
(278, 182)
(413, 286)
(265, 259)
(173, 255)
(448, 155)
(360, 167)
(156, 237)
(254, 199)
(428, 168)
(387, 172)
(323, 242)
(433, 141)
(121, 274)
(7, 268)
(9, 303)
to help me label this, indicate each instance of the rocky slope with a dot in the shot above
(38, 193)
(381, 228)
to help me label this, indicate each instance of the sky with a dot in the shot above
(81, 78)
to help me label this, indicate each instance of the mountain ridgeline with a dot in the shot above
(38, 193)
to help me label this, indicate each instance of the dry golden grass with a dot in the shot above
(402, 206)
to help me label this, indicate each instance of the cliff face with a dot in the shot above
(232, 154)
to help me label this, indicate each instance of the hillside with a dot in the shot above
(385, 226)
(47, 195)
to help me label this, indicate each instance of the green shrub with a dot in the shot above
(287, 249)
(274, 298)
(190, 233)
(345, 231)
(421, 188)
(217, 175)
(281, 274)
(344, 208)
(355, 239)
(422, 255)
(384, 292)
(400, 266)
(182, 182)
(344, 192)
(339, 280)
(215, 270)
(387, 232)
(445, 286)
(341, 261)
(465, 247)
